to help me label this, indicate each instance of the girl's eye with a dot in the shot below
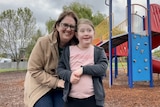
(82, 30)
(89, 30)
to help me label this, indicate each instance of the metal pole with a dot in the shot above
(150, 40)
(115, 62)
(110, 41)
(129, 44)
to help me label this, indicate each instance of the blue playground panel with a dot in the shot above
(140, 58)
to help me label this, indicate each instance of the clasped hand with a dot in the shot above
(76, 75)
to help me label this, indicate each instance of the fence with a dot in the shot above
(13, 65)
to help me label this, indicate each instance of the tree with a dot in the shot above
(98, 18)
(156, 53)
(32, 43)
(82, 11)
(16, 29)
(85, 11)
(49, 24)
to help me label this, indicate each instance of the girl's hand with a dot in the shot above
(79, 72)
(74, 78)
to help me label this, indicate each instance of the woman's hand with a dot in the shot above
(60, 83)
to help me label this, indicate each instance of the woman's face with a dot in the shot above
(66, 29)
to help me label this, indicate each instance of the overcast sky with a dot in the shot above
(43, 10)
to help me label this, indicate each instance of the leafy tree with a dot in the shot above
(100, 21)
(32, 43)
(82, 11)
(98, 18)
(16, 29)
(156, 53)
(49, 25)
(3, 55)
(85, 11)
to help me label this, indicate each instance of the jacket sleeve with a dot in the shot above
(100, 66)
(36, 65)
(63, 69)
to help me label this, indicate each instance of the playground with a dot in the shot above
(135, 85)
(134, 38)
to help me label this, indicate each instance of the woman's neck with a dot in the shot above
(62, 45)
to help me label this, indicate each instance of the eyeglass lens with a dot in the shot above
(65, 25)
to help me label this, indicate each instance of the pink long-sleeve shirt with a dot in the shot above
(78, 58)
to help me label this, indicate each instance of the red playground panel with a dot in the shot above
(155, 17)
(156, 66)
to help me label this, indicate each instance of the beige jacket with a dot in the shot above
(41, 75)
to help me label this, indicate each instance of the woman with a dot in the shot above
(42, 87)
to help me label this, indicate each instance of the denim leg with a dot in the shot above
(51, 99)
(57, 98)
(45, 101)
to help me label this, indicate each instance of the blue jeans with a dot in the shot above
(51, 99)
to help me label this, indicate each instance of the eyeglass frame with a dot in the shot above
(65, 26)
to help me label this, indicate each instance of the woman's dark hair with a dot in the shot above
(65, 13)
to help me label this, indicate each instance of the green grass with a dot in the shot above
(121, 65)
(11, 70)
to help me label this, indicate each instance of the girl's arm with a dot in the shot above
(100, 66)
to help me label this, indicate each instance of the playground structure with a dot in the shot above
(136, 44)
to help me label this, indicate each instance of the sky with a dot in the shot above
(43, 10)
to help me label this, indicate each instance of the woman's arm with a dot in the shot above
(36, 66)
(63, 69)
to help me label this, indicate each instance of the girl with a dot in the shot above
(82, 67)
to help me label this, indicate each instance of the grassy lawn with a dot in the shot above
(120, 65)
(10, 70)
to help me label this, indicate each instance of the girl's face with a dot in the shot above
(66, 29)
(85, 35)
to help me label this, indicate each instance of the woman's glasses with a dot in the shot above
(65, 26)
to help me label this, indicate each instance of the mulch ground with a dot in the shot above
(118, 95)
(11, 89)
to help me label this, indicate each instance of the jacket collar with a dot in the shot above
(52, 37)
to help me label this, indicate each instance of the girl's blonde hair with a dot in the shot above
(85, 21)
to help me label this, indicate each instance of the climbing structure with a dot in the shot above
(137, 44)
